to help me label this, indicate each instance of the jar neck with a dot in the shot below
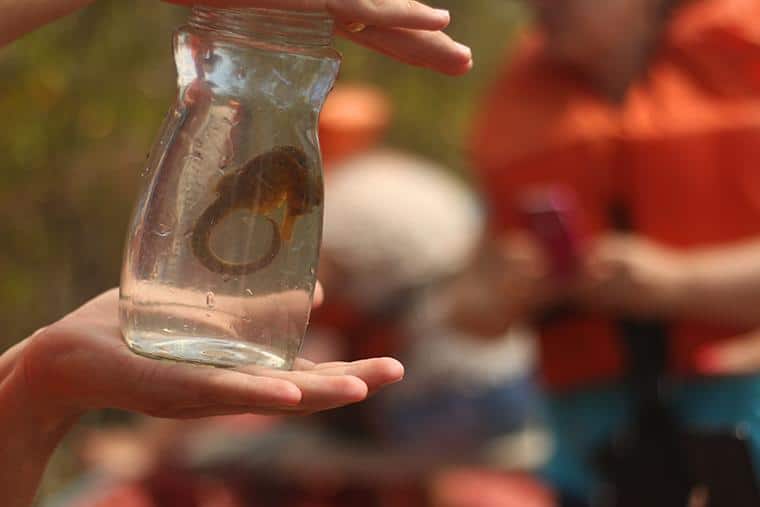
(299, 29)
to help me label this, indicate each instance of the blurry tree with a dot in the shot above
(81, 101)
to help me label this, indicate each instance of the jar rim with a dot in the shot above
(291, 28)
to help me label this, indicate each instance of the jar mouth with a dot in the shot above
(307, 29)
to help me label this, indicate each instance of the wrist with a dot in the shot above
(30, 404)
(33, 432)
(47, 421)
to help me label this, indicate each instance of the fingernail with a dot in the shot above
(444, 15)
(464, 50)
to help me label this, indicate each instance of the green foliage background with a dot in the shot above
(81, 101)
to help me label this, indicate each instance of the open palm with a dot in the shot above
(81, 363)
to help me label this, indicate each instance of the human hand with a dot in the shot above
(406, 30)
(507, 281)
(631, 275)
(81, 363)
(737, 356)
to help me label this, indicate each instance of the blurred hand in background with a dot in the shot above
(631, 275)
(507, 282)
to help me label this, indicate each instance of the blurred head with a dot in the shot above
(394, 222)
(610, 41)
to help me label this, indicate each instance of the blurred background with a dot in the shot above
(85, 98)
(565, 255)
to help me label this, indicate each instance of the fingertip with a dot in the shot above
(443, 18)
(461, 69)
(436, 21)
(460, 60)
(354, 388)
(392, 369)
(289, 394)
(464, 52)
(319, 295)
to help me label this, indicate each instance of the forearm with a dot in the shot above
(29, 439)
(722, 285)
(19, 17)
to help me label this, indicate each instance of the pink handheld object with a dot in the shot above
(553, 216)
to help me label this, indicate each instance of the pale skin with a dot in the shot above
(81, 363)
(719, 285)
(621, 275)
(406, 30)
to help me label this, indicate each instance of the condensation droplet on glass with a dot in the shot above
(210, 299)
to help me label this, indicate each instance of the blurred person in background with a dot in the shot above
(646, 114)
(466, 400)
(80, 363)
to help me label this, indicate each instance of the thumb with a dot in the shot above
(735, 356)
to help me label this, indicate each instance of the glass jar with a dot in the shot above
(221, 255)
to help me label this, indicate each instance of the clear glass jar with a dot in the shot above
(221, 255)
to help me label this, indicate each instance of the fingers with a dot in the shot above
(319, 295)
(302, 364)
(319, 391)
(95, 369)
(229, 410)
(734, 357)
(162, 388)
(186, 391)
(429, 49)
(400, 13)
(375, 373)
(407, 30)
(390, 13)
